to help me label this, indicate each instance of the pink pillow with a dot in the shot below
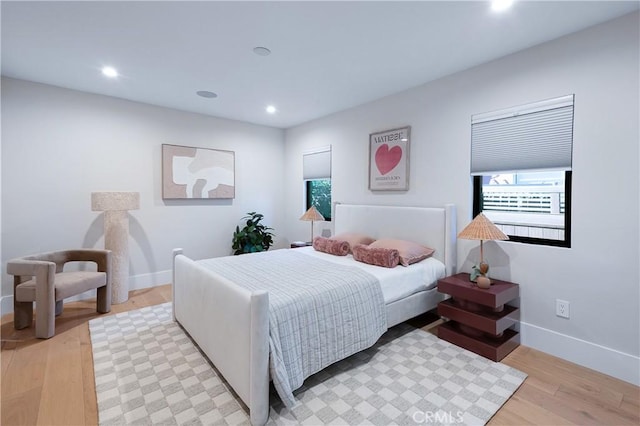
(335, 247)
(354, 238)
(410, 252)
(389, 258)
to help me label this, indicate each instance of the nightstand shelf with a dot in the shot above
(487, 321)
(479, 319)
(494, 349)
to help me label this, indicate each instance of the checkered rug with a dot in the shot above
(148, 371)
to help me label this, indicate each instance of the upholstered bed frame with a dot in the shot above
(231, 324)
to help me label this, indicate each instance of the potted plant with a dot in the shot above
(253, 237)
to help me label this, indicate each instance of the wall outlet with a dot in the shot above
(562, 308)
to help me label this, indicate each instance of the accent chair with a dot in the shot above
(41, 278)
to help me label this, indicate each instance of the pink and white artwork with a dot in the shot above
(189, 172)
(389, 160)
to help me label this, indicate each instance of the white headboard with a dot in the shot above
(432, 227)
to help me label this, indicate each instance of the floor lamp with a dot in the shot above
(116, 236)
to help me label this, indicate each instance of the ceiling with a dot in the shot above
(326, 56)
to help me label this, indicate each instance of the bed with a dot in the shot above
(231, 323)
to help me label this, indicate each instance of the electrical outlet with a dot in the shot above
(562, 308)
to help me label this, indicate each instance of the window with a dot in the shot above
(528, 207)
(316, 168)
(319, 195)
(521, 165)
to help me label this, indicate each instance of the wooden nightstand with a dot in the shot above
(298, 244)
(479, 319)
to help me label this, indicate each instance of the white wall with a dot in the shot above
(599, 275)
(60, 145)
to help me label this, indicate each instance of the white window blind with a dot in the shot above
(529, 137)
(317, 164)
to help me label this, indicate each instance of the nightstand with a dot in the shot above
(298, 244)
(479, 319)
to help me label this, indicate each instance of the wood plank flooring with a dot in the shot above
(50, 382)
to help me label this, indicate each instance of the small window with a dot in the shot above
(316, 172)
(319, 195)
(521, 160)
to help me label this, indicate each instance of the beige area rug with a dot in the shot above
(148, 371)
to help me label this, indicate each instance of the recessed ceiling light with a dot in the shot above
(271, 109)
(261, 51)
(501, 5)
(206, 94)
(110, 72)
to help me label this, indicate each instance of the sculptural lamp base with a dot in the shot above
(483, 282)
(479, 272)
(116, 236)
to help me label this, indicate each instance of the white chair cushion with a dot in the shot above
(67, 284)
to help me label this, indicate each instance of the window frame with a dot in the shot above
(566, 242)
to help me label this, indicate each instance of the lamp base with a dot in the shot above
(483, 282)
(479, 271)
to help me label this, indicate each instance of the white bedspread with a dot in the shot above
(319, 312)
(396, 283)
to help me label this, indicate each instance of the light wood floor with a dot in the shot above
(50, 382)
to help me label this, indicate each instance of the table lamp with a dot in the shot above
(312, 215)
(481, 229)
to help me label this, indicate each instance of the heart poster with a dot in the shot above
(389, 160)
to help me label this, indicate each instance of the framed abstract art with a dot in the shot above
(193, 173)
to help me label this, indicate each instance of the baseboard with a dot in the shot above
(136, 282)
(596, 357)
(6, 305)
(153, 279)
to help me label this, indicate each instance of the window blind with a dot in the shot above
(536, 136)
(317, 164)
